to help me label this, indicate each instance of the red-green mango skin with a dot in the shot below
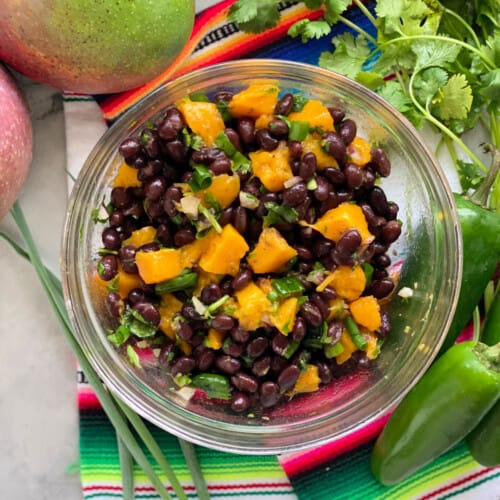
(93, 46)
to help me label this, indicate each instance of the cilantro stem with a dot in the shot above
(476, 324)
(359, 30)
(466, 25)
(439, 38)
(365, 11)
(495, 128)
(430, 118)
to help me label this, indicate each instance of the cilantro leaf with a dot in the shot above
(428, 82)
(349, 56)
(133, 357)
(490, 86)
(254, 16)
(334, 9)
(279, 214)
(395, 57)
(308, 30)
(469, 174)
(394, 94)
(454, 99)
(434, 53)
(370, 79)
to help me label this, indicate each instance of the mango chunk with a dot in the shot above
(127, 282)
(348, 282)
(316, 114)
(349, 348)
(224, 188)
(142, 236)
(127, 177)
(256, 100)
(192, 252)
(271, 253)
(169, 306)
(224, 252)
(263, 121)
(272, 167)
(308, 380)
(284, 318)
(323, 159)
(359, 152)
(161, 265)
(334, 223)
(203, 118)
(215, 339)
(366, 312)
(253, 307)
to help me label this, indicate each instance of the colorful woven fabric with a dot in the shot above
(337, 470)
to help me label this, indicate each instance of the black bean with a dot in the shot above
(227, 364)
(108, 267)
(136, 295)
(269, 394)
(284, 105)
(223, 96)
(114, 304)
(223, 322)
(375, 222)
(334, 175)
(111, 238)
(295, 148)
(322, 192)
(239, 334)
(265, 140)
(288, 377)
(189, 312)
(149, 247)
(220, 166)
(205, 358)
(378, 201)
(257, 346)
(381, 288)
(240, 402)
(172, 197)
(336, 147)
(134, 210)
(184, 364)
(184, 332)
(391, 231)
(385, 328)
(167, 352)
(278, 364)
(164, 235)
(154, 188)
(348, 243)
(392, 211)
(382, 261)
(245, 382)
(149, 312)
(324, 372)
(306, 233)
(210, 293)
(278, 128)
(381, 161)
(261, 366)
(129, 148)
(175, 150)
(379, 274)
(318, 301)
(226, 216)
(311, 313)
(295, 195)
(233, 136)
(322, 247)
(240, 220)
(303, 253)
(353, 176)
(116, 218)
(171, 124)
(140, 161)
(332, 201)
(328, 293)
(120, 198)
(369, 178)
(337, 114)
(151, 170)
(334, 332)
(308, 166)
(184, 236)
(225, 285)
(234, 349)
(246, 130)
(301, 357)
(242, 279)
(347, 130)
(279, 343)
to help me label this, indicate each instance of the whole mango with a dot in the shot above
(16, 141)
(93, 47)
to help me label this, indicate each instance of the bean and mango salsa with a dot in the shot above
(246, 246)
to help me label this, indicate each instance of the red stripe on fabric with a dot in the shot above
(458, 483)
(239, 486)
(298, 463)
(88, 401)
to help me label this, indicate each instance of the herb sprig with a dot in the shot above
(436, 62)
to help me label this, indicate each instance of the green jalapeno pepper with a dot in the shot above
(484, 441)
(481, 253)
(445, 405)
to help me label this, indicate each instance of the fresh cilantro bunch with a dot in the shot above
(435, 61)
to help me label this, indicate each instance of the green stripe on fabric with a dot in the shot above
(469, 486)
(67, 98)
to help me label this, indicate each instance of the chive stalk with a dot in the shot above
(356, 336)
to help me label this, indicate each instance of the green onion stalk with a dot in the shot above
(120, 415)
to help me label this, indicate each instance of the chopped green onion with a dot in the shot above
(201, 179)
(368, 270)
(133, 357)
(199, 97)
(187, 279)
(299, 101)
(291, 349)
(359, 341)
(298, 130)
(215, 305)
(331, 351)
(279, 214)
(210, 218)
(223, 142)
(287, 286)
(215, 385)
(241, 163)
(312, 184)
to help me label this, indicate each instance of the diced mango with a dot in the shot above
(142, 236)
(359, 152)
(169, 306)
(336, 221)
(366, 312)
(308, 380)
(127, 177)
(215, 339)
(323, 159)
(224, 188)
(263, 121)
(272, 167)
(316, 114)
(203, 118)
(185, 347)
(348, 282)
(284, 318)
(224, 252)
(161, 265)
(256, 100)
(337, 308)
(349, 348)
(127, 282)
(205, 279)
(253, 307)
(192, 252)
(271, 253)
(372, 348)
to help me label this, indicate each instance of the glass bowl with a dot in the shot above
(428, 251)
